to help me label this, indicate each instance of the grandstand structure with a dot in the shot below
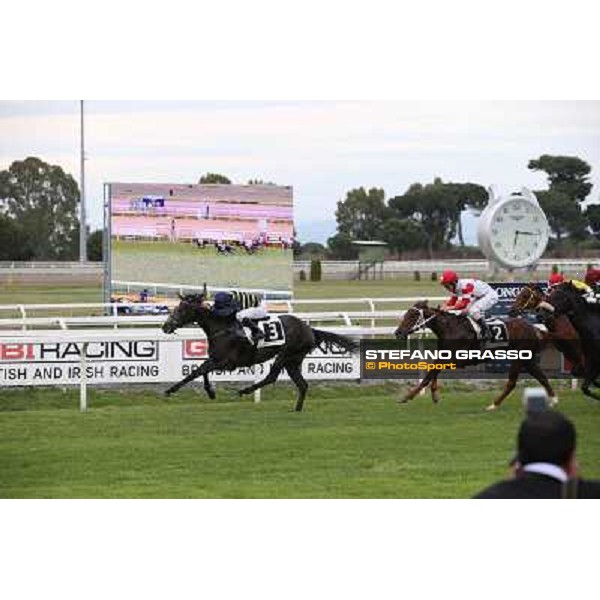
(209, 213)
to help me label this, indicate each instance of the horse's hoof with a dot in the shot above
(211, 394)
(403, 400)
(552, 401)
(589, 393)
(491, 407)
(167, 393)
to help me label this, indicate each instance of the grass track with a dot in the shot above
(19, 293)
(385, 288)
(353, 441)
(46, 293)
(183, 263)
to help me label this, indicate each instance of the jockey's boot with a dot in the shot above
(485, 330)
(257, 334)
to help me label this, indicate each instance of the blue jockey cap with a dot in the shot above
(223, 299)
(224, 305)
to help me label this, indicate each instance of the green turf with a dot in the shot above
(37, 293)
(386, 288)
(352, 441)
(19, 293)
(183, 263)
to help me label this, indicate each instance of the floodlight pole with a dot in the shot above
(82, 224)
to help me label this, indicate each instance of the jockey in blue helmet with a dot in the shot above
(227, 306)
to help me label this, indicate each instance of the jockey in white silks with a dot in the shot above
(246, 307)
(469, 296)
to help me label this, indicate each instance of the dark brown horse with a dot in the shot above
(560, 329)
(450, 329)
(566, 299)
(228, 351)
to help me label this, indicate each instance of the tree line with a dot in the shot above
(39, 218)
(39, 213)
(426, 218)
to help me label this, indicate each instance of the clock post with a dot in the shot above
(513, 231)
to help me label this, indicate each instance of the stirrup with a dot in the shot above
(255, 330)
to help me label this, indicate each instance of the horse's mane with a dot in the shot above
(194, 299)
(574, 295)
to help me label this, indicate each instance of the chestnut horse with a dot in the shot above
(450, 328)
(560, 329)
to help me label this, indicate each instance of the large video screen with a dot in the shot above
(167, 237)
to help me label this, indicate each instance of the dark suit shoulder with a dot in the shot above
(524, 486)
(537, 486)
(589, 488)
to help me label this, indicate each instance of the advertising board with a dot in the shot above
(141, 361)
(224, 236)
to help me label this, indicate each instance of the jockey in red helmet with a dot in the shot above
(592, 278)
(469, 296)
(585, 289)
(555, 279)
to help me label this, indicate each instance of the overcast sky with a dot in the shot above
(322, 149)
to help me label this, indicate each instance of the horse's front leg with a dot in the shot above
(203, 370)
(209, 388)
(271, 377)
(435, 386)
(412, 393)
(513, 376)
(591, 375)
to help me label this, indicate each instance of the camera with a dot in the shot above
(535, 399)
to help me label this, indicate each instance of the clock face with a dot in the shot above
(517, 232)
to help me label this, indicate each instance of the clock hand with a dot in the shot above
(528, 233)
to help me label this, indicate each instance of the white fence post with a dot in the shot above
(372, 307)
(83, 380)
(257, 395)
(23, 316)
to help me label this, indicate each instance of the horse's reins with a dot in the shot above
(420, 323)
(529, 299)
(212, 335)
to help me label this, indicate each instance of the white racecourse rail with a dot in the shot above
(110, 351)
(122, 356)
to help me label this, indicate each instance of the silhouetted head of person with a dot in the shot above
(549, 437)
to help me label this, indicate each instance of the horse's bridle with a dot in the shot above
(177, 322)
(532, 293)
(421, 321)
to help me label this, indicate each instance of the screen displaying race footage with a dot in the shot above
(169, 236)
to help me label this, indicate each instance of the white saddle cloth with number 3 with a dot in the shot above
(273, 331)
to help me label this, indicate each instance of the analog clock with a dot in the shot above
(513, 230)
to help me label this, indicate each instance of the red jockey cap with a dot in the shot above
(448, 277)
(556, 278)
(592, 276)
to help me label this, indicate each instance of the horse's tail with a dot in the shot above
(333, 339)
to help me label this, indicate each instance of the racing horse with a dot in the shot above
(228, 351)
(561, 330)
(452, 330)
(565, 299)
